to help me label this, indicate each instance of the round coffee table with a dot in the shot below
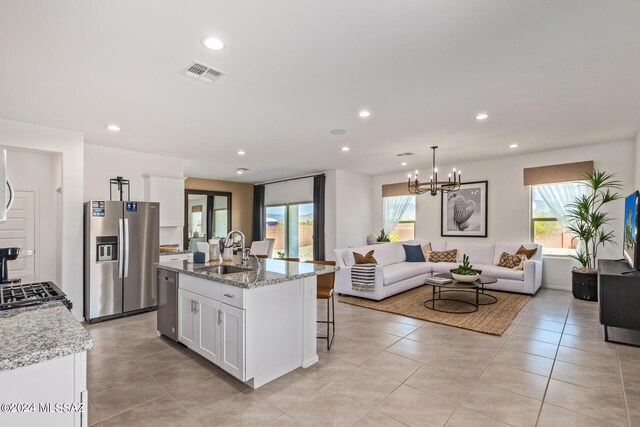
(482, 280)
(476, 287)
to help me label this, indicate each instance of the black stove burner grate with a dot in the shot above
(21, 295)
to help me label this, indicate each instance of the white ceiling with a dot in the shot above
(551, 74)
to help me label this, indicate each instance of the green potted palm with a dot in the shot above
(588, 220)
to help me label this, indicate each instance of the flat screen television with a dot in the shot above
(630, 240)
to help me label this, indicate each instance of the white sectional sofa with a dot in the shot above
(395, 275)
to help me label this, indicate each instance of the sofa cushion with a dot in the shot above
(444, 256)
(413, 253)
(479, 253)
(394, 273)
(501, 272)
(364, 259)
(514, 262)
(512, 248)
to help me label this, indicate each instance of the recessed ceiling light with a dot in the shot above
(345, 148)
(364, 113)
(513, 146)
(241, 153)
(482, 116)
(113, 128)
(403, 164)
(213, 43)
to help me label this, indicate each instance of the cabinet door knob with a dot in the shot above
(229, 295)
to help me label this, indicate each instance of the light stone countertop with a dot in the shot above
(270, 271)
(34, 334)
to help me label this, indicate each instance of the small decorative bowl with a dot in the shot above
(464, 277)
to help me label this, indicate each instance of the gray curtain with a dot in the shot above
(258, 212)
(318, 217)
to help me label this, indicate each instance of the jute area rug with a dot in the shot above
(491, 319)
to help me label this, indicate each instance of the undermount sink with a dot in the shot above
(224, 269)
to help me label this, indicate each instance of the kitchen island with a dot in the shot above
(257, 322)
(43, 359)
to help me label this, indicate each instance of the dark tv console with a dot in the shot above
(619, 290)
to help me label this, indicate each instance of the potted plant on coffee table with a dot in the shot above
(588, 220)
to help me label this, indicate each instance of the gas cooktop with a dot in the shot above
(15, 295)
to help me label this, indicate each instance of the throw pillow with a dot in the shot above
(414, 253)
(364, 259)
(515, 262)
(528, 252)
(426, 250)
(444, 256)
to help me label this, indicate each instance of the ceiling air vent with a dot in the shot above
(203, 73)
(407, 154)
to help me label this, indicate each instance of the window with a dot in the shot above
(399, 217)
(291, 225)
(548, 204)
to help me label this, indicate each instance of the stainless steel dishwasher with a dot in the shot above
(168, 303)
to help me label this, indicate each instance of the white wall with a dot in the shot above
(509, 199)
(103, 163)
(37, 171)
(71, 148)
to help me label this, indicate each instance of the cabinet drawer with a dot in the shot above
(173, 257)
(206, 288)
(232, 295)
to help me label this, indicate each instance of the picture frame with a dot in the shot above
(463, 213)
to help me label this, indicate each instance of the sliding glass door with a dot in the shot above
(291, 225)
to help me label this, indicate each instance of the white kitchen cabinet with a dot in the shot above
(232, 340)
(208, 318)
(169, 192)
(187, 319)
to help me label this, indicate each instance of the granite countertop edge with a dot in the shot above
(26, 350)
(229, 279)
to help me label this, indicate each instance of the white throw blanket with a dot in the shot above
(363, 277)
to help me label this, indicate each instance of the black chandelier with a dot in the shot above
(434, 186)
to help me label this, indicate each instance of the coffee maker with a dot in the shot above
(7, 254)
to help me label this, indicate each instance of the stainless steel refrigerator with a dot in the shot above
(121, 248)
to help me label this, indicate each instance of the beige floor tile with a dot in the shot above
(377, 419)
(468, 362)
(243, 409)
(163, 411)
(608, 407)
(464, 417)
(196, 398)
(416, 408)
(117, 400)
(537, 334)
(595, 379)
(364, 386)
(587, 359)
(392, 366)
(288, 391)
(447, 385)
(162, 360)
(415, 350)
(524, 361)
(554, 416)
(527, 345)
(327, 407)
(589, 344)
(504, 406)
(515, 380)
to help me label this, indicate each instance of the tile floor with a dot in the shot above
(551, 368)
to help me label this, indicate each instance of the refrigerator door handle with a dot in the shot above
(126, 253)
(120, 248)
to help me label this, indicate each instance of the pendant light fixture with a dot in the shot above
(433, 186)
